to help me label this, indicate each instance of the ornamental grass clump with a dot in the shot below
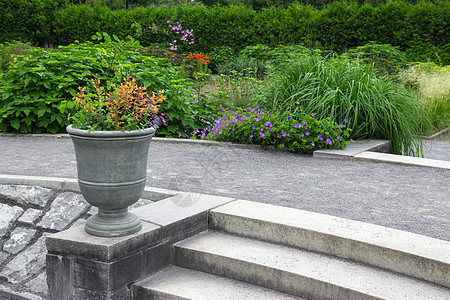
(122, 107)
(300, 134)
(342, 89)
(432, 84)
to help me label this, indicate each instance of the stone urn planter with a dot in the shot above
(112, 172)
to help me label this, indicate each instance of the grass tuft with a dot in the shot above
(343, 89)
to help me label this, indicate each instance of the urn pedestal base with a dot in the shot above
(113, 223)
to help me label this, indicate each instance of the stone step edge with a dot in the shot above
(293, 271)
(407, 253)
(173, 281)
(71, 185)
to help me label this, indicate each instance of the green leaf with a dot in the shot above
(15, 124)
(40, 113)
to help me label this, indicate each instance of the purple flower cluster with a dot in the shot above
(256, 125)
(187, 35)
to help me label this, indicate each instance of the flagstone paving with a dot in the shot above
(28, 214)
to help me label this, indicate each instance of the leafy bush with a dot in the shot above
(7, 52)
(236, 90)
(220, 55)
(341, 25)
(170, 57)
(245, 66)
(28, 20)
(39, 81)
(300, 134)
(386, 59)
(342, 89)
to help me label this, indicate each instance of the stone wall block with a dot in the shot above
(156, 258)
(59, 277)
(102, 276)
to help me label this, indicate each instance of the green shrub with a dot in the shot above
(342, 89)
(341, 25)
(7, 52)
(219, 56)
(28, 20)
(234, 91)
(386, 59)
(300, 134)
(38, 82)
(244, 66)
(171, 57)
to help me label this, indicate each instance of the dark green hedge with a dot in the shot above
(419, 29)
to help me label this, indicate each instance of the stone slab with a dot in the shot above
(181, 213)
(354, 148)
(38, 285)
(19, 239)
(76, 242)
(156, 194)
(27, 263)
(30, 216)
(65, 209)
(404, 252)
(179, 207)
(3, 256)
(8, 215)
(26, 195)
(402, 160)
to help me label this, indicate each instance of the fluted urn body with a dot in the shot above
(112, 173)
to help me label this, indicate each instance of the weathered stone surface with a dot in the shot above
(76, 242)
(38, 285)
(66, 208)
(30, 216)
(20, 238)
(59, 277)
(78, 223)
(100, 276)
(7, 293)
(3, 256)
(8, 214)
(26, 195)
(27, 263)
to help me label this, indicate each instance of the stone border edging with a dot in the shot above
(71, 184)
(437, 134)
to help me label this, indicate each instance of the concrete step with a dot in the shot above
(406, 253)
(179, 283)
(297, 272)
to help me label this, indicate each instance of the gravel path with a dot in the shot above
(415, 199)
